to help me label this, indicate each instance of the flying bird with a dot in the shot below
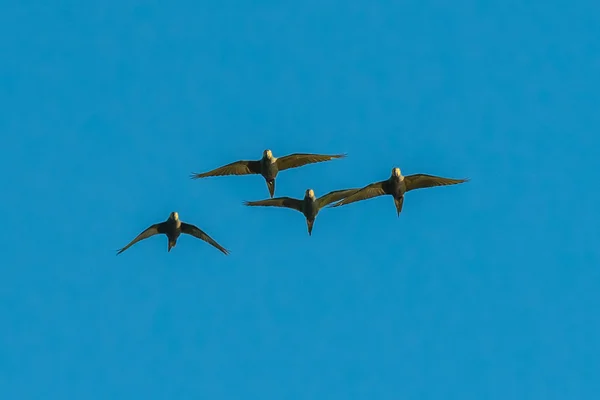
(397, 185)
(268, 166)
(173, 227)
(309, 206)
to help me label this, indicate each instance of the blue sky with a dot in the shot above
(487, 290)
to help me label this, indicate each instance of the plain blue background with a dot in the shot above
(487, 290)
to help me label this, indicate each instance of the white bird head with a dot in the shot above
(310, 193)
(396, 172)
(174, 216)
(268, 154)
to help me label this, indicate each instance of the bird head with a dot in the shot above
(396, 172)
(310, 193)
(268, 154)
(174, 216)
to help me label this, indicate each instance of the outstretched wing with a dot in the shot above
(420, 181)
(150, 231)
(369, 191)
(300, 159)
(243, 167)
(200, 234)
(334, 196)
(287, 202)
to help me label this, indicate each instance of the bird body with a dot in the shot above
(309, 206)
(173, 227)
(310, 209)
(269, 170)
(268, 166)
(397, 185)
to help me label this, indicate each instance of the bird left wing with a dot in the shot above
(150, 231)
(200, 234)
(420, 181)
(287, 202)
(334, 196)
(300, 159)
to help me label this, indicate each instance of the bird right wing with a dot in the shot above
(243, 167)
(369, 191)
(287, 202)
(150, 231)
(334, 196)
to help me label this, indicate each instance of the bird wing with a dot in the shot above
(369, 191)
(243, 167)
(150, 231)
(200, 234)
(287, 202)
(334, 196)
(420, 181)
(300, 159)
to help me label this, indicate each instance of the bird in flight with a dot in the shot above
(397, 185)
(268, 166)
(309, 206)
(173, 227)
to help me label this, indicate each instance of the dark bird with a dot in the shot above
(268, 166)
(173, 227)
(309, 206)
(397, 185)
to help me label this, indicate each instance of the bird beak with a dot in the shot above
(309, 223)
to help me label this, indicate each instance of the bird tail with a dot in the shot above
(399, 202)
(309, 223)
(271, 186)
(172, 244)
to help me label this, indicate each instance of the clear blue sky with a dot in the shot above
(487, 290)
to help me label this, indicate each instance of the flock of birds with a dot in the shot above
(269, 167)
